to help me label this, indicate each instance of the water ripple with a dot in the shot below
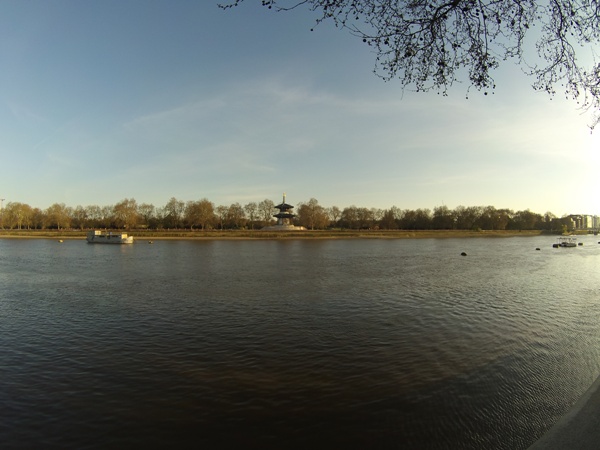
(295, 344)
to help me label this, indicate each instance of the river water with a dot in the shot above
(294, 343)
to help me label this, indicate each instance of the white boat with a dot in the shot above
(566, 241)
(99, 237)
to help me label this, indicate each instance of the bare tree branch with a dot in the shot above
(433, 44)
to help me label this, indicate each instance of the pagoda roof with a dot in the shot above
(284, 206)
(284, 214)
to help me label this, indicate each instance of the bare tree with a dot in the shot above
(147, 213)
(80, 217)
(17, 215)
(419, 219)
(423, 219)
(312, 215)
(432, 44)
(236, 216)
(58, 215)
(468, 218)
(443, 218)
(265, 211)
(37, 218)
(173, 213)
(377, 214)
(334, 214)
(548, 220)
(388, 220)
(526, 220)
(205, 211)
(365, 217)
(251, 210)
(221, 215)
(190, 214)
(349, 217)
(106, 216)
(125, 213)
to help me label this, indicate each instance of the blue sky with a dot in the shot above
(106, 100)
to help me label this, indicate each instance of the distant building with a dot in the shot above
(285, 215)
(584, 222)
(285, 218)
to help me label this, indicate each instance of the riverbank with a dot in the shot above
(258, 234)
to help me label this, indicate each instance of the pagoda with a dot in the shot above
(285, 215)
(284, 218)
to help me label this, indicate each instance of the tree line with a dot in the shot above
(204, 215)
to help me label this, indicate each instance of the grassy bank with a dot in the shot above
(257, 234)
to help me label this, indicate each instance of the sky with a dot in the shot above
(153, 99)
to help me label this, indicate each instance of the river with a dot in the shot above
(349, 344)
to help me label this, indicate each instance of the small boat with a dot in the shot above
(99, 237)
(566, 241)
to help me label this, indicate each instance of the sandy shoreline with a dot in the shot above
(262, 235)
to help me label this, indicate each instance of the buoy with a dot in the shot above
(463, 254)
(537, 248)
(60, 240)
(150, 242)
